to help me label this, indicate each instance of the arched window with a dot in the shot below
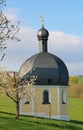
(45, 97)
(63, 96)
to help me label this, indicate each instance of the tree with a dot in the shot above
(8, 31)
(73, 79)
(15, 88)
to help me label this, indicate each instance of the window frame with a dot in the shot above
(45, 97)
(64, 97)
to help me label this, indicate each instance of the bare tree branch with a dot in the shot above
(8, 31)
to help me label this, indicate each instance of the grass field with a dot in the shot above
(76, 109)
(80, 80)
(8, 122)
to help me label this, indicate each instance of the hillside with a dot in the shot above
(76, 87)
(8, 121)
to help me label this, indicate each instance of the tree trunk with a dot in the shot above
(17, 110)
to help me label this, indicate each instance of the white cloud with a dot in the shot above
(10, 13)
(75, 68)
(64, 41)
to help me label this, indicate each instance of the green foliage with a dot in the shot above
(73, 79)
(7, 121)
(76, 79)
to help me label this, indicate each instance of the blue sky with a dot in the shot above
(64, 21)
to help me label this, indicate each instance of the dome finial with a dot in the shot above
(42, 20)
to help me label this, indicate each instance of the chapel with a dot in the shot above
(51, 85)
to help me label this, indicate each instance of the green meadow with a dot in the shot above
(8, 121)
(80, 80)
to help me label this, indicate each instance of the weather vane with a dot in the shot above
(2, 3)
(42, 20)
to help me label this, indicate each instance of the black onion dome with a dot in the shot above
(49, 69)
(42, 34)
